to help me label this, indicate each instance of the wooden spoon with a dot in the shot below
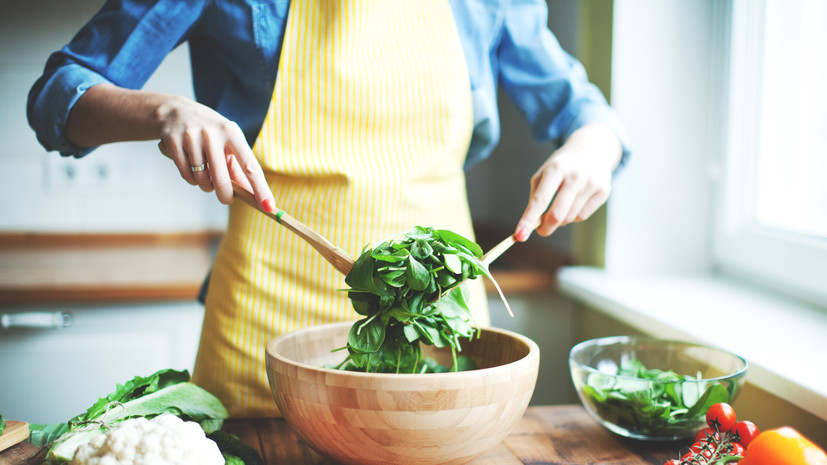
(336, 256)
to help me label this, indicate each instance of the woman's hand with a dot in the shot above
(573, 183)
(208, 149)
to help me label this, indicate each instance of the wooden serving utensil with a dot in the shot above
(500, 248)
(336, 256)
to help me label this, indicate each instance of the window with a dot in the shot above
(772, 223)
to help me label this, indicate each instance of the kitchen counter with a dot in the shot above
(49, 268)
(60, 268)
(563, 434)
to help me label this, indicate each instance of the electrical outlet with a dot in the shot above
(72, 175)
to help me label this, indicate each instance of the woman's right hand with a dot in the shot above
(191, 135)
(210, 151)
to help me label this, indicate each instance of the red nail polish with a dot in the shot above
(268, 205)
(522, 234)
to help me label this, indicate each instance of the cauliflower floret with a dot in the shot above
(164, 440)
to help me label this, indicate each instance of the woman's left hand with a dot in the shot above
(573, 183)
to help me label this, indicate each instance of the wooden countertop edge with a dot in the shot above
(104, 293)
(40, 241)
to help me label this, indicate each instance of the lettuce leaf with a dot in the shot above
(164, 391)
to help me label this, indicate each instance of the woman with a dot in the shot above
(357, 117)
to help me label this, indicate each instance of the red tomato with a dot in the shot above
(706, 434)
(672, 462)
(745, 432)
(737, 449)
(721, 416)
(699, 446)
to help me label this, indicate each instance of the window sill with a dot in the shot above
(785, 342)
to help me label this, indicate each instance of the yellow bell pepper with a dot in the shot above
(783, 446)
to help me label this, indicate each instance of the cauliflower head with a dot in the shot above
(164, 440)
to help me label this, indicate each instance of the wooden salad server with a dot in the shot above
(336, 256)
(500, 248)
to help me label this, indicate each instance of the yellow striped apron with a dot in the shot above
(365, 137)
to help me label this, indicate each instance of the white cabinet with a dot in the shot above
(51, 375)
(548, 319)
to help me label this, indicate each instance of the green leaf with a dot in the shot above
(367, 335)
(411, 334)
(43, 435)
(421, 249)
(132, 389)
(458, 241)
(452, 263)
(360, 276)
(713, 394)
(389, 255)
(465, 363)
(417, 275)
(395, 277)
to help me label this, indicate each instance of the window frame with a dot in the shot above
(785, 262)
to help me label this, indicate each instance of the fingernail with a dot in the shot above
(268, 205)
(522, 234)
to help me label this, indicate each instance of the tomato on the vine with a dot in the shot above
(707, 434)
(721, 416)
(745, 432)
(672, 462)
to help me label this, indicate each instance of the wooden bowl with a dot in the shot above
(378, 418)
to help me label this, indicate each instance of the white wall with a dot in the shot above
(658, 215)
(121, 187)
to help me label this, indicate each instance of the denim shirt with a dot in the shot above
(235, 47)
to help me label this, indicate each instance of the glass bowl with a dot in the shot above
(653, 389)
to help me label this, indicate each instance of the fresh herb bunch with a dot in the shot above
(409, 290)
(673, 405)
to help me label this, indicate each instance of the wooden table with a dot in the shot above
(557, 435)
(545, 435)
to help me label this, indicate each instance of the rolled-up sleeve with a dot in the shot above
(123, 44)
(547, 84)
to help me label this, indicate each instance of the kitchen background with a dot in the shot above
(48, 375)
(128, 188)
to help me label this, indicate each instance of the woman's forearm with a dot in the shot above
(107, 113)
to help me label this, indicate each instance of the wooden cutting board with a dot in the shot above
(15, 432)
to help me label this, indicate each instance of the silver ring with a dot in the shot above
(199, 168)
